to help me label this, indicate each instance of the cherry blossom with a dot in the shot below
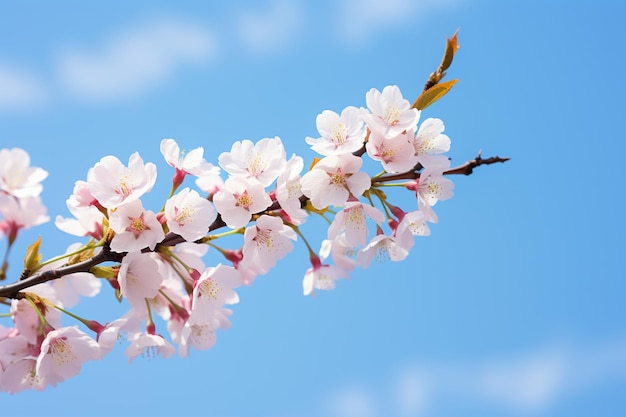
(383, 247)
(390, 113)
(139, 278)
(343, 133)
(17, 177)
(351, 219)
(134, 228)
(396, 154)
(189, 215)
(239, 199)
(341, 252)
(149, 345)
(20, 214)
(430, 140)
(433, 186)
(333, 179)
(263, 161)
(266, 242)
(63, 353)
(112, 183)
(215, 288)
(18, 365)
(192, 162)
(288, 190)
(321, 277)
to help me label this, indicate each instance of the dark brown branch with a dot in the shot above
(465, 169)
(11, 290)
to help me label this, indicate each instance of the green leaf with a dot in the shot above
(433, 94)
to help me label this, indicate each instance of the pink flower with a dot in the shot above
(18, 214)
(149, 345)
(112, 183)
(288, 190)
(134, 228)
(263, 161)
(215, 288)
(321, 277)
(239, 199)
(266, 242)
(396, 154)
(17, 177)
(139, 278)
(192, 162)
(63, 353)
(430, 140)
(333, 179)
(390, 113)
(382, 248)
(352, 220)
(339, 134)
(189, 215)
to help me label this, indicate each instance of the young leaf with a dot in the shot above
(433, 94)
(32, 257)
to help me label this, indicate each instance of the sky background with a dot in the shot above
(514, 306)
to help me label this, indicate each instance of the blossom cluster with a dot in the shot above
(256, 191)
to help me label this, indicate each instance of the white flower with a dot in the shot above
(189, 215)
(433, 186)
(22, 213)
(321, 277)
(390, 113)
(112, 184)
(333, 179)
(192, 162)
(288, 190)
(134, 228)
(351, 219)
(339, 134)
(239, 199)
(342, 253)
(412, 224)
(149, 345)
(266, 242)
(263, 161)
(396, 154)
(17, 177)
(139, 278)
(382, 247)
(63, 353)
(215, 288)
(430, 140)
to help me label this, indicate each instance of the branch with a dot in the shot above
(468, 167)
(465, 169)
(11, 290)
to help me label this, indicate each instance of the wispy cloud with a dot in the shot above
(271, 29)
(529, 384)
(20, 89)
(358, 20)
(134, 61)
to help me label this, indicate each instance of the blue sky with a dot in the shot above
(513, 306)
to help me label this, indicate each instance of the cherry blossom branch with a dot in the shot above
(465, 169)
(172, 239)
(12, 290)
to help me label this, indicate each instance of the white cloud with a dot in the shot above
(19, 89)
(135, 61)
(272, 29)
(358, 20)
(352, 401)
(530, 383)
